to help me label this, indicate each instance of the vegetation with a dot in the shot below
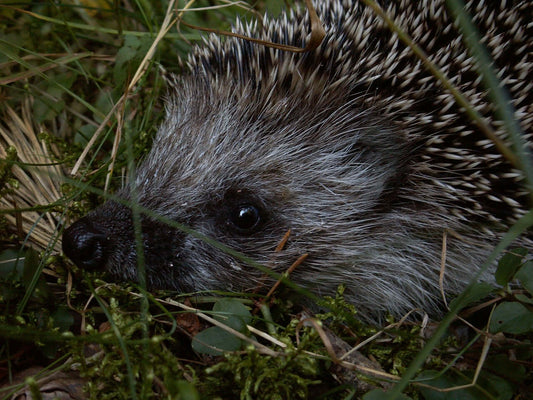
(81, 85)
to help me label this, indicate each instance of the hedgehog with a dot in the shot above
(354, 147)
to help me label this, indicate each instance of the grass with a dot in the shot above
(81, 85)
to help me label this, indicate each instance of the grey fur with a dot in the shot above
(354, 147)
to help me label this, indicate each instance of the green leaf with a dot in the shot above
(487, 383)
(9, 47)
(31, 266)
(62, 318)
(32, 270)
(511, 317)
(525, 276)
(182, 390)
(444, 381)
(11, 262)
(508, 369)
(475, 293)
(129, 58)
(502, 388)
(104, 104)
(215, 341)
(233, 313)
(509, 264)
(84, 134)
(56, 87)
(522, 298)
(11, 268)
(379, 394)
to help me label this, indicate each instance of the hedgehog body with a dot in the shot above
(354, 147)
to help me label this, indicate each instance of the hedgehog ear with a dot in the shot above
(378, 144)
(386, 152)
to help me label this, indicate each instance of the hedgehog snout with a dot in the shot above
(86, 244)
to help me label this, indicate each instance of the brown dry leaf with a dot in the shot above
(59, 385)
(189, 321)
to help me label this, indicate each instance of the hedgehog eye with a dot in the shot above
(245, 217)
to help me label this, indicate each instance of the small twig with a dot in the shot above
(295, 264)
(283, 241)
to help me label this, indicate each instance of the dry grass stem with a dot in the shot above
(38, 176)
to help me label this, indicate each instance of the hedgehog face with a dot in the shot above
(236, 175)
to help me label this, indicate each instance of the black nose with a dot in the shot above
(85, 244)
